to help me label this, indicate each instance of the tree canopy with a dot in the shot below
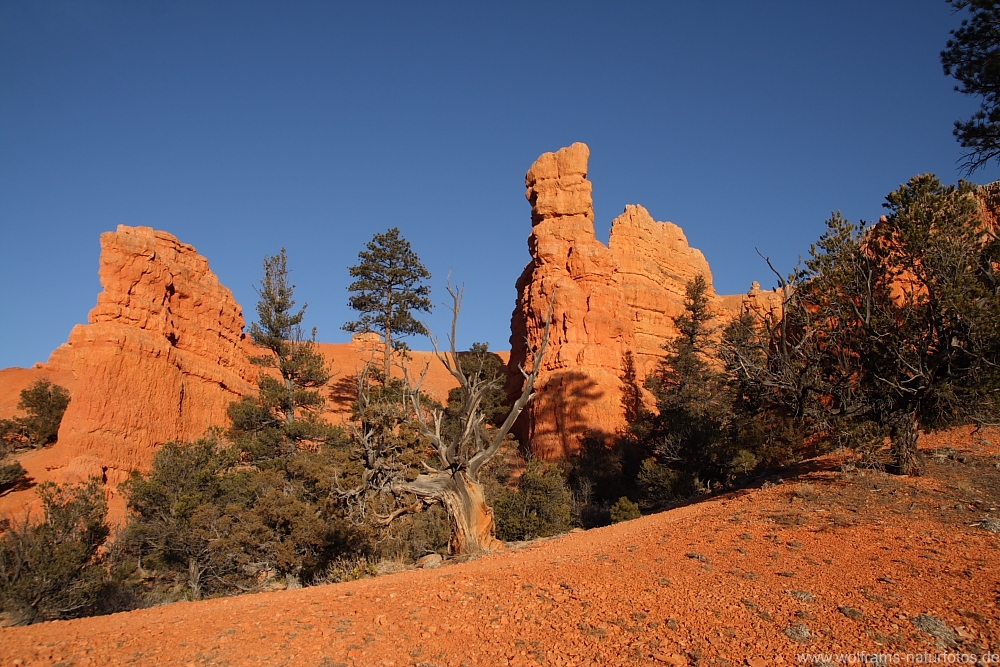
(972, 56)
(44, 404)
(279, 329)
(890, 328)
(388, 289)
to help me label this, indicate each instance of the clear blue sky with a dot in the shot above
(242, 127)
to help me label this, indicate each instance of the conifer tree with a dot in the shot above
(301, 366)
(44, 404)
(690, 393)
(891, 329)
(972, 56)
(388, 288)
(285, 412)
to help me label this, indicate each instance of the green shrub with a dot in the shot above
(624, 510)
(53, 570)
(540, 504)
(346, 568)
(10, 475)
(206, 523)
(744, 462)
(415, 535)
(45, 403)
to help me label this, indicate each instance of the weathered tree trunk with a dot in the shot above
(194, 578)
(906, 455)
(386, 355)
(472, 526)
(290, 412)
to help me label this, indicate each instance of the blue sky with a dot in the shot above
(242, 127)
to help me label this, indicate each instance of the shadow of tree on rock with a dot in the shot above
(565, 412)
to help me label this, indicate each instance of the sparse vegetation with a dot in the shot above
(538, 505)
(45, 403)
(284, 416)
(449, 474)
(257, 507)
(11, 474)
(624, 510)
(889, 329)
(205, 521)
(971, 58)
(54, 569)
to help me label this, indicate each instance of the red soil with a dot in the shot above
(710, 583)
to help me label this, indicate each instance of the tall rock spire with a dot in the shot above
(613, 307)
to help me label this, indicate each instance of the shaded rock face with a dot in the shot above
(162, 357)
(609, 304)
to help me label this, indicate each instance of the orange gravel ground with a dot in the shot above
(710, 583)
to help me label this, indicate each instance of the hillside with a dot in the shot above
(824, 561)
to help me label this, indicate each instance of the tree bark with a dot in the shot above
(387, 355)
(906, 455)
(472, 526)
(290, 388)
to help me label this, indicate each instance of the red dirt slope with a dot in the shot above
(843, 562)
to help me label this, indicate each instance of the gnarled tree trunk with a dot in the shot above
(906, 455)
(472, 527)
(460, 454)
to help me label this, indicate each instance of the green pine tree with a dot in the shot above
(690, 392)
(286, 410)
(972, 57)
(388, 289)
(45, 403)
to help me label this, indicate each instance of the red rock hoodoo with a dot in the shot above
(608, 302)
(163, 356)
(161, 359)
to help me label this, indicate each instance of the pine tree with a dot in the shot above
(45, 403)
(972, 56)
(909, 316)
(388, 288)
(891, 329)
(286, 410)
(689, 391)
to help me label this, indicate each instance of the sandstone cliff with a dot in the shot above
(610, 303)
(162, 357)
(577, 276)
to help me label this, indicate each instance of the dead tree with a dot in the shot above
(451, 479)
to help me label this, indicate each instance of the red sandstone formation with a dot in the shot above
(655, 264)
(161, 359)
(576, 275)
(989, 203)
(347, 359)
(163, 356)
(610, 301)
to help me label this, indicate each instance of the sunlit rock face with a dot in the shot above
(161, 358)
(610, 304)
